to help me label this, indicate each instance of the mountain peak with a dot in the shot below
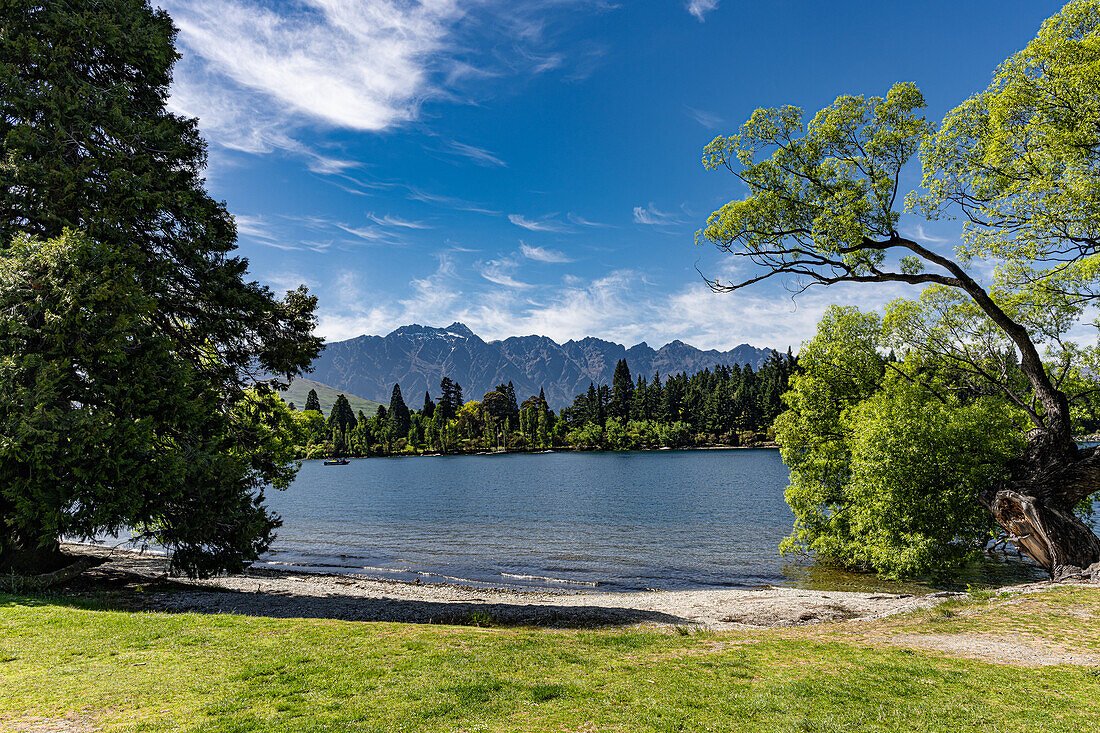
(418, 357)
(460, 329)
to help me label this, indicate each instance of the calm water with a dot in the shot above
(613, 521)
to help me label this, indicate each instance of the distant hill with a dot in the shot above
(417, 357)
(326, 395)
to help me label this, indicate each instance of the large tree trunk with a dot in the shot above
(1035, 505)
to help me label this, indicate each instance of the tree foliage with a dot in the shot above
(146, 305)
(1020, 164)
(886, 474)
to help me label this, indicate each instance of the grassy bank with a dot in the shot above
(102, 669)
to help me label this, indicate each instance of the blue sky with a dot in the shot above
(533, 166)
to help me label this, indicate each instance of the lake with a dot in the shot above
(613, 521)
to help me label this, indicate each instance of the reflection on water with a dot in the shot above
(611, 521)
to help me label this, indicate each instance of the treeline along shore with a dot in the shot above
(729, 406)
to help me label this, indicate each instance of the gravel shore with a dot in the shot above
(263, 592)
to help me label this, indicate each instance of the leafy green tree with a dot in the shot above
(617, 436)
(312, 402)
(1019, 163)
(87, 144)
(310, 430)
(675, 434)
(589, 436)
(886, 474)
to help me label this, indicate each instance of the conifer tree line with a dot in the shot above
(727, 406)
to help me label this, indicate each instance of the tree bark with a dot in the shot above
(1035, 505)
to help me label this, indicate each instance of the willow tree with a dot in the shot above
(1018, 165)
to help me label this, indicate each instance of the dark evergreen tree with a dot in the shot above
(342, 416)
(428, 410)
(513, 405)
(398, 418)
(312, 403)
(87, 144)
(622, 392)
(450, 398)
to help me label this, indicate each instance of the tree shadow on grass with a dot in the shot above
(110, 589)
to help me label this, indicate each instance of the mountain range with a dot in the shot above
(418, 357)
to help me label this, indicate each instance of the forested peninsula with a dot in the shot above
(728, 406)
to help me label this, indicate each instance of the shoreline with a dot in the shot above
(560, 449)
(139, 582)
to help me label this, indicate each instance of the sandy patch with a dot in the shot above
(72, 723)
(1020, 652)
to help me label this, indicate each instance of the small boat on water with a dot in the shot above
(337, 462)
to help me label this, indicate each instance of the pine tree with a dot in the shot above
(88, 144)
(513, 405)
(428, 410)
(312, 402)
(622, 392)
(342, 416)
(398, 419)
(450, 398)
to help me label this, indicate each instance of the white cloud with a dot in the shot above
(652, 216)
(254, 226)
(499, 272)
(257, 73)
(708, 120)
(700, 8)
(480, 156)
(283, 281)
(620, 305)
(545, 224)
(367, 234)
(582, 222)
(542, 254)
(450, 202)
(918, 233)
(393, 221)
(357, 64)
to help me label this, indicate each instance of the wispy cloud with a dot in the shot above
(542, 254)
(357, 64)
(544, 224)
(582, 222)
(500, 271)
(449, 202)
(918, 232)
(653, 216)
(480, 156)
(254, 226)
(283, 281)
(367, 234)
(700, 8)
(393, 221)
(257, 73)
(706, 119)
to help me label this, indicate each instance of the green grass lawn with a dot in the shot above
(111, 670)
